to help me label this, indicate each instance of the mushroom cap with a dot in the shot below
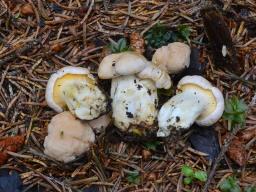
(134, 102)
(49, 94)
(131, 63)
(101, 123)
(215, 107)
(125, 63)
(75, 88)
(173, 58)
(67, 137)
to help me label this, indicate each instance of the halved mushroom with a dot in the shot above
(133, 89)
(172, 58)
(196, 101)
(75, 88)
(67, 137)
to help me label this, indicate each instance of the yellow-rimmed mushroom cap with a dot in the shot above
(76, 89)
(215, 106)
(196, 101)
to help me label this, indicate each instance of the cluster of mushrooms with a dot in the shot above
(82, 105)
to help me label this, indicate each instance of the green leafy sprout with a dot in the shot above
(159, 36)
(230, 184)
(235, 112)
(166, 92)
(151, 145)
(119, 46)
(250, 189)
(191, 175)
(184, 32)
(134, 177)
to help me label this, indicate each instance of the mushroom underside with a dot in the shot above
(185, 108)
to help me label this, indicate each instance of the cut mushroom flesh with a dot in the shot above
(134, 102)
(80, 93)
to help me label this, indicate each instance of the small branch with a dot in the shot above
(28, 46)
(224, 149)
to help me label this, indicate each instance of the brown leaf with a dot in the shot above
(248, 134)
(27, 9)
(237, 151)
(10, 144)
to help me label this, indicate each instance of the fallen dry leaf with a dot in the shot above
(10, 144)
(248, 134)
(237, 151)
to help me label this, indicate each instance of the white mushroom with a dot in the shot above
(132, 63)
(125, 63)
(134, 102)
(133, 89)
(196, 101)
(67, 137)
(173, 58)
(75, 88)
(161, 78)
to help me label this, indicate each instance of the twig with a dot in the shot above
(224, 148)
(21, 51)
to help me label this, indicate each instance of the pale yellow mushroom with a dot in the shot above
(172, 58)
(68, 137)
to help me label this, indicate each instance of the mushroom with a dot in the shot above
(173, 58)
(196, 101)
(67, 137)
(132, 63)
(101, 123)
(134, 89)
(134, 102)
(75, 88)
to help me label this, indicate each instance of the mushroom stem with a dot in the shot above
(161, 77)
(181, 111)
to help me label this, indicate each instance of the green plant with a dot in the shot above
(250, 189)
(119, 46)
(230, 184)
(159, 36)
(151, 145)
(166, 92)
(184, 32)
(191, 175)
(134, 177)
(235, 112)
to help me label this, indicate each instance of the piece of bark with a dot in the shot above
(236, 151)
(10, 144)
(223, 52)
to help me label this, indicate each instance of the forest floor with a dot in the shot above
(39, 37)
